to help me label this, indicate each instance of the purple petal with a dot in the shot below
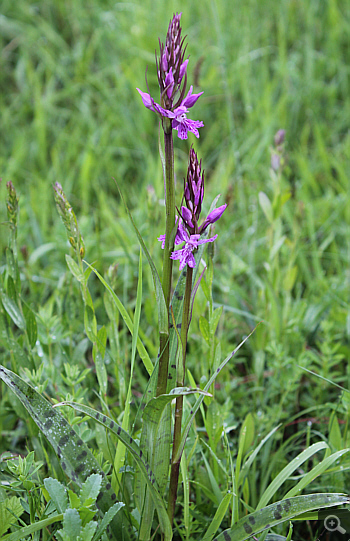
(149, 102)
(146, 99)
(279, 137)
(162, 240)
(191, 99)
(215, 215)
(184, 125)
(191, 262)
(203, 241)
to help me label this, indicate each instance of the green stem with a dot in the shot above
(168, 248)
(175, 465)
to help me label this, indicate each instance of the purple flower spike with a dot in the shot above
(185, 255)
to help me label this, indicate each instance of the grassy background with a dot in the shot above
(70, 113)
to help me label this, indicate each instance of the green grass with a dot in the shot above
(70, 113)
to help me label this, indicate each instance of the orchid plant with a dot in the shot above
(150, 509)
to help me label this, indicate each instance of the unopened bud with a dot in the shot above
(279, 137)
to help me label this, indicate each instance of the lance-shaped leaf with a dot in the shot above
(127, 320)
(279, 512)
(75, 457)
(154, 444)
(135, 450)
(201, 398)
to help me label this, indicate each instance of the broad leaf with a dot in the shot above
(58, 494)
(76, 459)
(279, 512)
(135, 450)
(10, 510)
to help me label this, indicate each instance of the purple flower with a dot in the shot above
(185, 254)
(180, 122)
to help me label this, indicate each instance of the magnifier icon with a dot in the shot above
(332, 524)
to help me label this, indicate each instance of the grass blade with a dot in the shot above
(288, 470)
(23, 533)
(162, 311)
(201, 397)
(120, 451)
(218, 517)
(127, 319)
(315, 472)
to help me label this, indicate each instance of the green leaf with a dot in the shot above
(88, 531)
(248, 429)
(276, 513)
(72, 523)
(102, 341)
(74, 268)
(135, 450)
(266, 206)
(76, 459)
(90, 489)
(127, 319)
(214, 320)
(101, 371)
(246, 467)
(90, 323)
(218, 517)
(204, 328)
(13, 311)
(10, 510)
(335, 437)
(162, 310)
(31, 325)
(200, 399)
(58, 494)
(288, 470)
(107, 518)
